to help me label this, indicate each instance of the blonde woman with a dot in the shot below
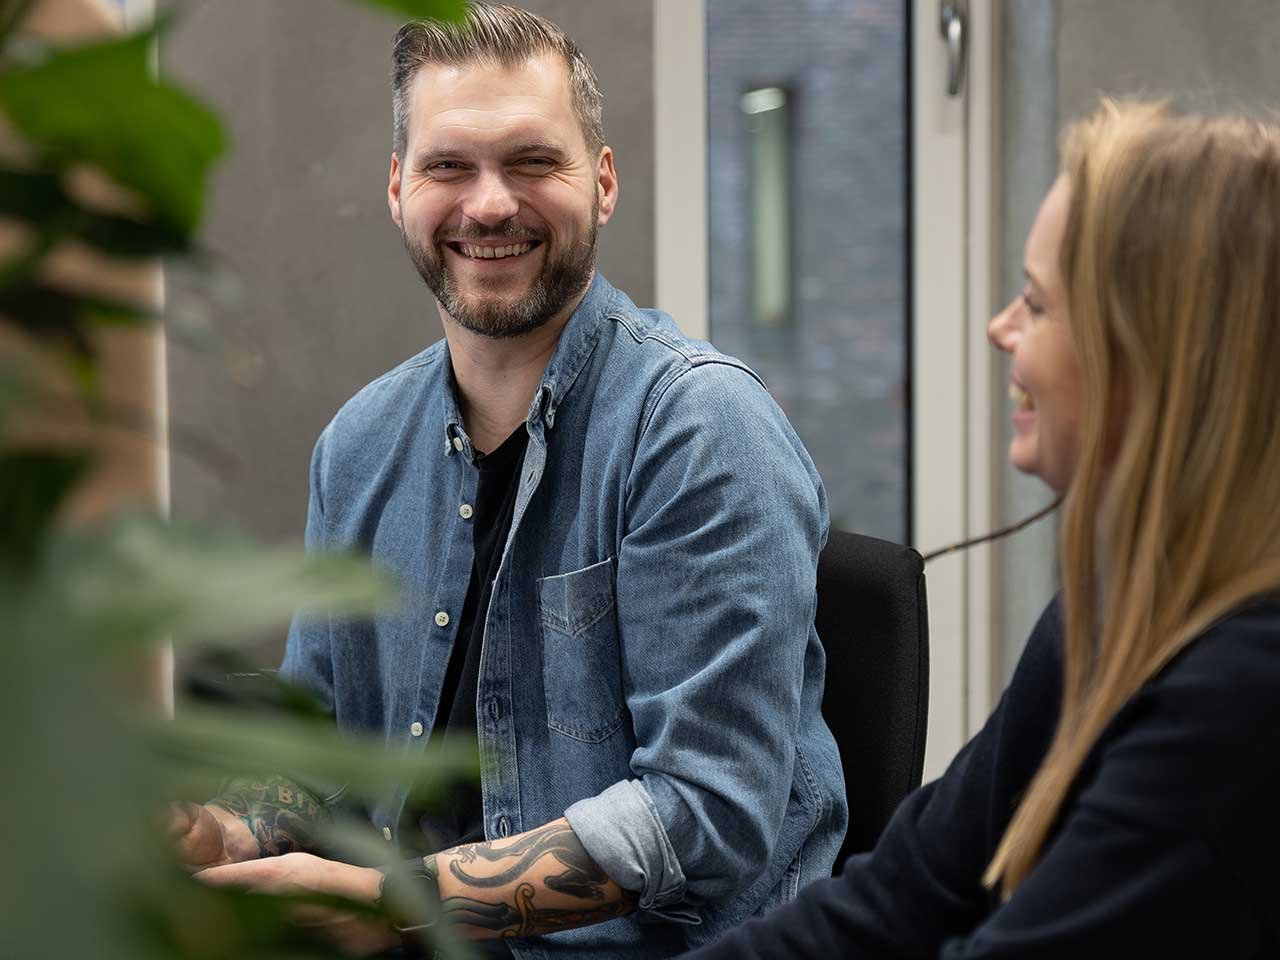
(1121, 801)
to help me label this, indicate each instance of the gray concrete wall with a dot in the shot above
(299, 212)
(1204, 55)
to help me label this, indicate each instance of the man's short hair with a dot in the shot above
(497, 35)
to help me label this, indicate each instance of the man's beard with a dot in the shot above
(561, 278)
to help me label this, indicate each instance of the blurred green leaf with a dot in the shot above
(423, 9)
(229, 678)
(89, 869)
(33, 485)
(308, 751)
(100, 105)
(141, 580)
(354, 843)
(15, 388)
(39, 199)
(215, 923)
(30, 194)
(122, 237)
(63, 317)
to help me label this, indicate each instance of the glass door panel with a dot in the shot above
(807, 150)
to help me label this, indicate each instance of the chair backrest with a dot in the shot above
(874, 626)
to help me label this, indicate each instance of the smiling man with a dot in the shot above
(608, 536)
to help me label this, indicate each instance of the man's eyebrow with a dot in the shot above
(523, 147)
(427, 154)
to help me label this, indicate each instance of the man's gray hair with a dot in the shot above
(498, 35)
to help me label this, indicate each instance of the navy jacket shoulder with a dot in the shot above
(1166, 846)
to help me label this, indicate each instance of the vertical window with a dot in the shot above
(765, 116)
(807, 132)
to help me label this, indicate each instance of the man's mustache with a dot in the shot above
(509, 230)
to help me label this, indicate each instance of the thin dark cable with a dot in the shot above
(995, 534)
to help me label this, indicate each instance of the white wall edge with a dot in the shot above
(680, 163)
(984, 400)
(940, 345)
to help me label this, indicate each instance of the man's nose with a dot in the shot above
(491, 200)
(1005, 328)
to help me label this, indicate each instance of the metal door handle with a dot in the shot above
(953, 33)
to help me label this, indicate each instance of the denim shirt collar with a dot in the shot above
(577, 340)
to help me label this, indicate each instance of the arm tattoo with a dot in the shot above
(580, 878)
(516, 913)
(523, 919)
(278, 812)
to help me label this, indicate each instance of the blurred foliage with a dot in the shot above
(156, 139)
(89, 767)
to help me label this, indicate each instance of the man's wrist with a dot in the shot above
(410, 893)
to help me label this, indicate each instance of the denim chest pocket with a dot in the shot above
(581, 668)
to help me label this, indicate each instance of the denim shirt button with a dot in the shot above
(504, 827)
(465, 511)
(494, 706)
(442, 619)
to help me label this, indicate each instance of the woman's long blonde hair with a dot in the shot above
(1171, 264)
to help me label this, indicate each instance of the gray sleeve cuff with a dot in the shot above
(621, 831)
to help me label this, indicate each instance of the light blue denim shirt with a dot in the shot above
(650, 667)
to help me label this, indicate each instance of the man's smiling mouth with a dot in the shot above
(476, 251)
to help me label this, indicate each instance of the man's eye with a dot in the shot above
(444, 167)
(534, 164)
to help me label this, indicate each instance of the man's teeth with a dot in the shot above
(495, 253)
(1020, 397)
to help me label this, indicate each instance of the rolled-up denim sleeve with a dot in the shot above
(622, 831)
(725, 517)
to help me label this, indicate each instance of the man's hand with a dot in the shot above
(251, 818)
(209, 835)
(295, 873)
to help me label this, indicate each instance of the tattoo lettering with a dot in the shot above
(278, 812)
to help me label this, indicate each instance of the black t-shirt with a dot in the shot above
(459, 818)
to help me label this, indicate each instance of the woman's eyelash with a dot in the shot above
(1033, 308)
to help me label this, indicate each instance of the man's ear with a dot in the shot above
(393, 191)
(606, 186)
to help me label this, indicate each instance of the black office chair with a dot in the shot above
(874, 626)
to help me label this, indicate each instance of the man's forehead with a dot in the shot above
(539, 84)
(457, 108)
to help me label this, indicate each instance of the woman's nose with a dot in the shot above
(1006, 326)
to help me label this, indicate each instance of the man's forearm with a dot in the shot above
(533, 883)
(280, 815)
